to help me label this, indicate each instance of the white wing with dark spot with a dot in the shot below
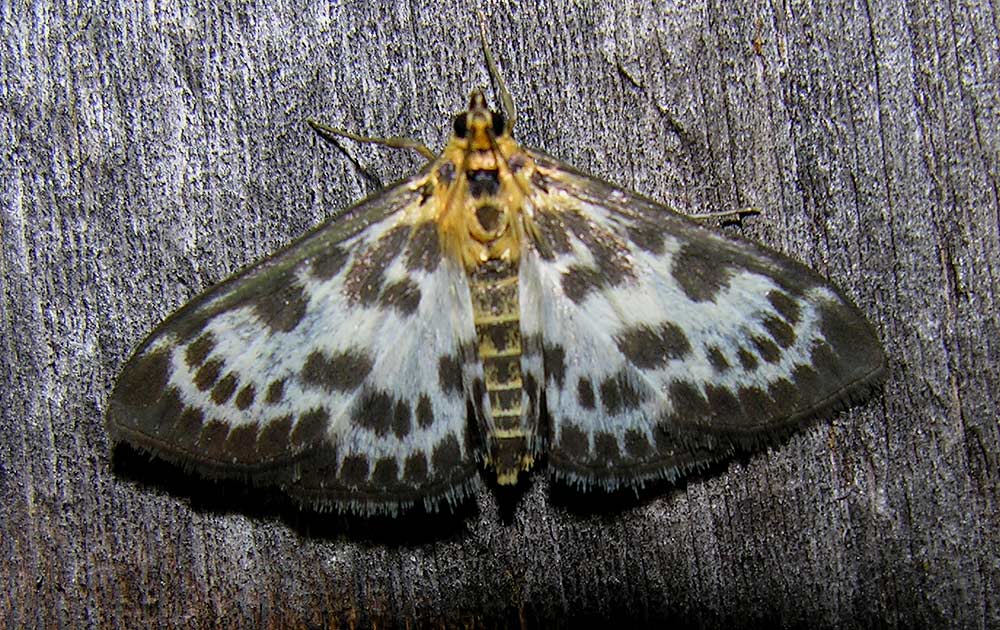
(667, 346)
(333, 369)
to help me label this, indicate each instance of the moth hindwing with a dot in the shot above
(573, 318)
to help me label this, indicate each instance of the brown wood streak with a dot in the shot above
(154, 153)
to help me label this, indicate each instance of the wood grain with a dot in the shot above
(150, 150)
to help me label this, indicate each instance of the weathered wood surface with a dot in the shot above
(151, 149)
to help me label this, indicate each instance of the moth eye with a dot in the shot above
(461, 128)
(498, 123)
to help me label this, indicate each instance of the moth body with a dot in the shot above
(486, 177)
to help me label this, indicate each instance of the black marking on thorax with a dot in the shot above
(483, 182)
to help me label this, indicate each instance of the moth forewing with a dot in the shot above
(327, 369)
(668, 345)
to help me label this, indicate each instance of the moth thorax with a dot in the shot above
(496, 313)
(489, 221)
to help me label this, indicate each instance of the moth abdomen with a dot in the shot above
(496, 315)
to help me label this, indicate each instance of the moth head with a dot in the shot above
(479, 124)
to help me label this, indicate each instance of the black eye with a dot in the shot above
(461, 129)
(498, 123)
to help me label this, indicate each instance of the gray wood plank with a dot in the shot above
(150, 150)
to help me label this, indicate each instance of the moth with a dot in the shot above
(493, 309)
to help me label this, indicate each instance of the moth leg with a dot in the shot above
(724, 217)
(331, 133)
(505, 97)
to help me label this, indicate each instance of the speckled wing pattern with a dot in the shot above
(332, 370)
(667, 346)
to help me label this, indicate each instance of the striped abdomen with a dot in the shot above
(496, 313)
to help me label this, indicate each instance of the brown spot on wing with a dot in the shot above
(207, 375)
(241, 444)
(573, 441)
(647, 347)
(415, 469)
(403, 295)
(450, 374)
(578, 281)
(611, 257)
(401, 419)
(425, 412)
(189, 423)
(311, 427)
(782, 333)
(647, 236)
(825, 362)
(212, 438)
(143, 381)
(354, 470)
(849, 336)
(386, 473)
(531, 345)
(768, 351)
(199, 349)
(329, 263)
(282, 309)
(275, 391)
(366, 275)
(553, 236)
(785, 306)
(554, 359)
(619, 394)
(344, 371)
(424, 249)
(246, 397)
(636, 444)
(170, 407)
(374, 412)
(224, 389)
(807, 383)
(585, 393)
(723, 404)
(479, 398)
(755, 402)
(717, 359)
(784, 396)
(447, 455)
(747, 360)
(688, 403)
(273, 439)
(606, 448)
(700, 272)
(532, 388)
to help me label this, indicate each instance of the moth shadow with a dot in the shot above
(508, 497)
(412, 527)
(267, 503)
(596, 500)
